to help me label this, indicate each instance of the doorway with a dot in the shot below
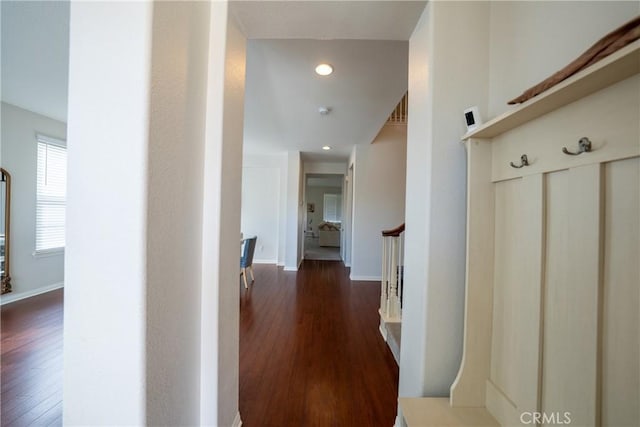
(323, 216)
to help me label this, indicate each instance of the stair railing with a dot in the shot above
(392, 274)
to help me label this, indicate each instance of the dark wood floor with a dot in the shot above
(31, 367)
(310, 350)
(310, 353)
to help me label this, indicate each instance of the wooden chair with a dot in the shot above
(246, 260)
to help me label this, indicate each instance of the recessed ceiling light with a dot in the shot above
(324, 69)
(326, 147)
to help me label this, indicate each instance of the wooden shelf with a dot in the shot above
(436, 411)
(612, 69)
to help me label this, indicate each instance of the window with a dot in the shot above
(51, 194)
(332, 209)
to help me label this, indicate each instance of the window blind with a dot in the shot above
(331, 211)
(51, 194)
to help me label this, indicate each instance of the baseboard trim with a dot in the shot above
(366, 278)
(383, 331)
(290, 268)
(265, 261)
(237, 422)
(13, 297)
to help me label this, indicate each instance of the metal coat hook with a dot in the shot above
(524, 161)
(584, 146)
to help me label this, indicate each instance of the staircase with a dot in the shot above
(391, 288)
(400, 114)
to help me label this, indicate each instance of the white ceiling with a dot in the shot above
(327, 20)
(283, 93)
(365, 41)
(35, 56)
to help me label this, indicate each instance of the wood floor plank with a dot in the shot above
(310, 350)
(31, 366)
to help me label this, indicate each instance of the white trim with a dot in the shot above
(12, 297)
(44, 253)
(383, 331)
(237, 422)
(58, 142)
(280, 264)
(366, 278)
(265, 261)
(290, 268)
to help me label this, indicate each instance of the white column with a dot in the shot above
(293, 211)
(138, 260)
(221, 221)
(105, 255)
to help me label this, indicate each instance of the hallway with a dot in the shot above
(310, 350)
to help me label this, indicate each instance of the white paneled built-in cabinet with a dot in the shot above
(553, 256)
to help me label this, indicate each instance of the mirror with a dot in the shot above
(5, 213)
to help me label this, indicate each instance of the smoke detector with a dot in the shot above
(324, 110)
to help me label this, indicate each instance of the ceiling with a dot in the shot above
(365, 41)
(283, 93)
(328, 20)
(35, 56)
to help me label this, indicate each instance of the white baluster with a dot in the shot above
(392, 297)
(385, 276)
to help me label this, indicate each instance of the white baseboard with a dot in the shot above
(13, 296)
(383, 331)
(289, 268)
(280, 264)
(366, 278)
(265, 261)
(237, 422)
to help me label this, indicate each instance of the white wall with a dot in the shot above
(105, 266)
(263, 202)
(448, 60)
(463, 54)
(152, 230)
(174, 211)
(347, 221)
(532, 40)
(221, 226)
(30, 274)
(332, 168)
(379, 198)
(294, 216)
